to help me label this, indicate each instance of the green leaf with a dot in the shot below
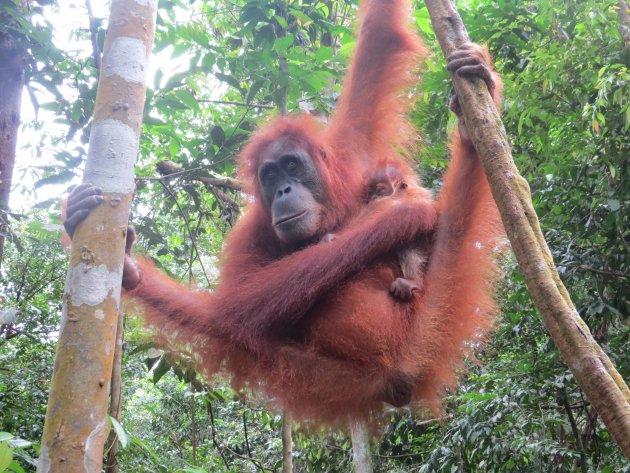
(281, 21)
(176, 80)
(323, 54)
(613, 171)
(6, 456)
(228, 80)
(15, 468)
(281, 44)
(252, 15)
(63, 177)
(187, 98)
(157, 79)
(302, 18)
(317, 80)
(120, 432)
(208, 61)
(218, 135)
(254, 89)
(146, 448)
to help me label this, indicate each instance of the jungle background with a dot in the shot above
(219, 68)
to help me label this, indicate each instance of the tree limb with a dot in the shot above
(96, 52)
(171, 169)
(592, 368)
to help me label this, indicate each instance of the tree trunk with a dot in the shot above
(283, 66)
(592, 369)
(12, 58)
(193, 421)
(624, 22)
(74, 432)
(287, 445)
(111, 465)
(360, 447)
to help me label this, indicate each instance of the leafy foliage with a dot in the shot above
(219, 68)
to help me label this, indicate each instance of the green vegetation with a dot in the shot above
(219, 70)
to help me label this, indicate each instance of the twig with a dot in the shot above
(574, 429)
(192, 237)
(11, 332)
(239, 104)
(249, 451)
(168, 170)
(191, 260)
(193, 422)
(422, 423)
(605, 272)
(115, 395)
(213, 431)
(253, 461)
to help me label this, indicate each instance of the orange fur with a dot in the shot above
(314, 328)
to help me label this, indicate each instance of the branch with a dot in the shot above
(171, 169)
(604, 272)
(214, 437)
(574, 429)
(591, 367)
(96, 52)
(287, 444)
(239, 104)
(8, 331)
(193, 241)
(115, 393)
(423, 423)
(624, 22)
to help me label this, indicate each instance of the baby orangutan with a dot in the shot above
(388, 180)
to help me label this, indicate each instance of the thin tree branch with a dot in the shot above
(115, 395)
(96, 51)
(574, 429)
(624, 22)
(586, 267)
(213, 431)
(168, 170)
(193, 422)
(239, 104)
(249, 450)
(187, 224)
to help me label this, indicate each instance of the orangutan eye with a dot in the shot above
(403, 185)
(267, 174)
(290, 163)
